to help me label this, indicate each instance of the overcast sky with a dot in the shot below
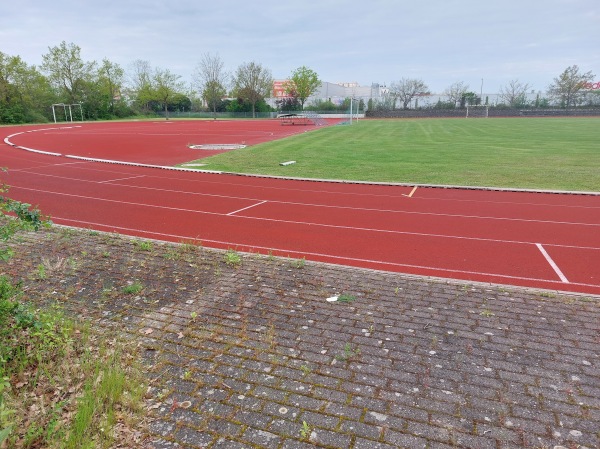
(438, 41)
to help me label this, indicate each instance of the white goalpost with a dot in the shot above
(69, 108)
(477, 111)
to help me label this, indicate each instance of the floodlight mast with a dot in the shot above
(352, 108)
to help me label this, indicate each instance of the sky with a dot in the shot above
(482, 43)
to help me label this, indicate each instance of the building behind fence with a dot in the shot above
(377, 97)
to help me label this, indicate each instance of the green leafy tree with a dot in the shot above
(165, 88)
(408, 88)
(289, 104)
(24, 92)
(239, 105)
(252, 82)
(470, 98)
(111, 78)
(568, 88)
(27, 218)
(180, 102)
(302, 84)
(67, 72)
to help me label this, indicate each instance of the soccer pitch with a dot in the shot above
(533, 153)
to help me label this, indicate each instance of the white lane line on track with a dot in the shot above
(245, 208)
(273, 220)
(557, 270)
(364, 209)
(120, 179)
(350, 194)
(330, 256)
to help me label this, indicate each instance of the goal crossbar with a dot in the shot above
(477, 111)
(69, 108)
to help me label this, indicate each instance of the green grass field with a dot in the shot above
(538, 153)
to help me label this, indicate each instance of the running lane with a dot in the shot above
(527, 239)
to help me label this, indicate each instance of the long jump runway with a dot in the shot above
(539, 240)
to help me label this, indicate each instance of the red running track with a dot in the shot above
(538, 240)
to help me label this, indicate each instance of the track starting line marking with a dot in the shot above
(560, 274)
(412, 192)
(245, 208)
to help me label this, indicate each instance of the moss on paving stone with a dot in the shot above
(251, 354)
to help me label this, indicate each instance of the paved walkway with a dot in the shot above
(252, 355)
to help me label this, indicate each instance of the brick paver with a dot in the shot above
(266, 362)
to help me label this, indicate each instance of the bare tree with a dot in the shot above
(211, 80)
(456, 92)
(569, 87)
(140, 81)
(253, 82)
(514, 93)
(408, 88)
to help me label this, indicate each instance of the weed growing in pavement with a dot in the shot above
(305, 369)
(298, 263)
(41, 272)
(67, 233)
(487, 313)
(56, 265)
(190, 245)
(133, 288)
(232, 258)
(305, 431)
(143, 245)
(268, 339)
(348, 353)
(346, 298)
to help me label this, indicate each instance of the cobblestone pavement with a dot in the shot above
(245, 351)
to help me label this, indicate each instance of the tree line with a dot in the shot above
(105, 90)
(572, 88)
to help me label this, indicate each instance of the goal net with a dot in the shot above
(68, 111)
(479, 111)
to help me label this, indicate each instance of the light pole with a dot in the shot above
(481, 93)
